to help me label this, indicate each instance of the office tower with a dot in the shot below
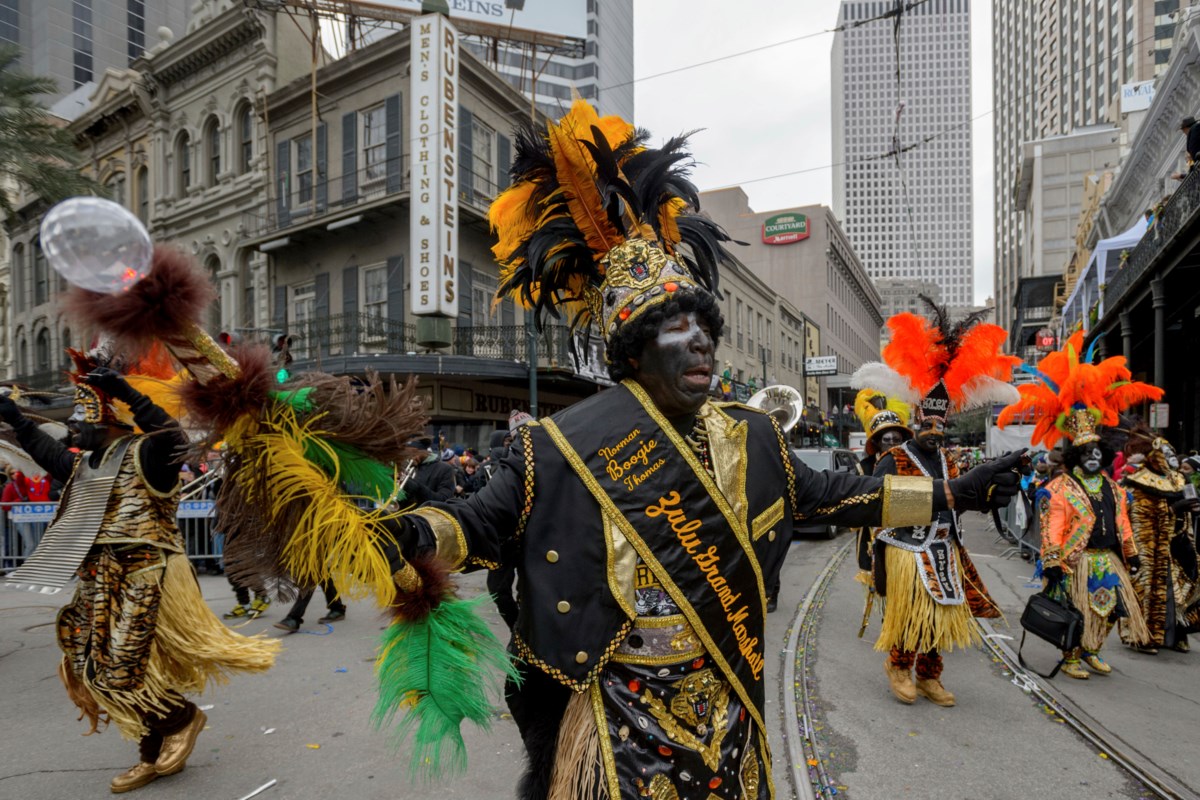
(908, 217)
(1058, 68)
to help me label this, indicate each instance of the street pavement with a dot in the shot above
(998, 741)
(306, 724)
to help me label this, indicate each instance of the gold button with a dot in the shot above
(552, 556)
(771, 536)
(581, 657)
(563, 606)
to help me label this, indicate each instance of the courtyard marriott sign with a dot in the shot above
(784, 229)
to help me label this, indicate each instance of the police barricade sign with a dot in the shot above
(32, 512)
(195, 509)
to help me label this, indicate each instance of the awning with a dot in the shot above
(1105, 260)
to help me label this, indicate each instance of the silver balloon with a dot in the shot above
(96, 244)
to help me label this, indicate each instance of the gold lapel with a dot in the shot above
(727, 448)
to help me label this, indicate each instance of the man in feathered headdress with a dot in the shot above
(137, 634)
(1161, 519)
(647, 517)
(1088, 550)
(923, 571)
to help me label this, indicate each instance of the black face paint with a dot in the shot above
(931, 434)
(676, 366)
(889, 439)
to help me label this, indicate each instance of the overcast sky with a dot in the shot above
(768, 113)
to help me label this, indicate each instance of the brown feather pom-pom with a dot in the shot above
(173, 296)
(436, 587)
(221, 401)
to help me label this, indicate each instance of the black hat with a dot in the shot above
(1187, 122)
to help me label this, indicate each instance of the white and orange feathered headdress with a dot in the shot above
(1073, 396)
(940, 367)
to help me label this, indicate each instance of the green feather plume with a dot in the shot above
(436, 672)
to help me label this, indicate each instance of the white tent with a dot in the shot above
(1105, 260)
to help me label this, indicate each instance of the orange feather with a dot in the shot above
(576, 171)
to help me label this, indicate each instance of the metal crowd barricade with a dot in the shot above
(22, 526)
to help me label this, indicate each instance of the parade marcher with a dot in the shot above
(647, 516)
(137, 635)
(1161, 518)
(886, 424)
(930, 586)
(1088, 550)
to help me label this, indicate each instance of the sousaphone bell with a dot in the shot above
(780, 401)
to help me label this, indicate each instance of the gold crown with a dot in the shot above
(638, 275)
(1080, 426)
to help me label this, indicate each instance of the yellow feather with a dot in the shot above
(576, 172)
(512, 219)
(666, 221)
(334, 536)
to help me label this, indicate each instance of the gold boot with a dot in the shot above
(932, 690)
(901, 682)
(178, 746)
(1096, 664)
(1072, 666)
(135, 777)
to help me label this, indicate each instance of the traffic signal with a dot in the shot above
(228, 339)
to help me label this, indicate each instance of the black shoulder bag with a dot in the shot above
(1055, 621)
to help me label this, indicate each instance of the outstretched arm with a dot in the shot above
(50, 454)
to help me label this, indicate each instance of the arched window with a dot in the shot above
(116, 188)
(212, 265)
(18, 276)
(212, 151)
(22, 355)
(66, 342)
(183, 164)
(246, 278)
(41, 275)
(42, 349)
(143, 195)
(245, 132)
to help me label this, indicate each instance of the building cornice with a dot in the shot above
(211, 42)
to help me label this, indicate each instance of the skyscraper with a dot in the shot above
(74, 41)
(1058, 68)
(907, 215)
(603, 74)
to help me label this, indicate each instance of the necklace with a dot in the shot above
(698, 441)
(1092, 483)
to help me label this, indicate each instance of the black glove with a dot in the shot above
(1184, 505)
(1053, 575)
(1134, 563)
(989, 485)
(112, 383)
(10, 412)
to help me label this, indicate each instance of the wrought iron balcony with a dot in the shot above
(368, 334)
(1179, 215)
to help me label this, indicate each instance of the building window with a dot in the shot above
(246, 137)
(22, 356)
(42, 350)
(143, 195)
(374, 143)
(375, 301)
(41, 275)
(483, 289)
(304, 170)
(183, 157)
(483, 160)
(66, 342)
(212, 265)
(81, 43)
(10, 21)
(212, 144)
(135, 17)
(304, 306)
(18, 276)
(116, 188)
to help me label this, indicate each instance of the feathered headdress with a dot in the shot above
(878, 413)
(154, 374)
(942, 367)
(1072, 396)
(599, 225)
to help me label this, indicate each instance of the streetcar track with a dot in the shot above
(1157, 780)
(803, 750)
(809, 776)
